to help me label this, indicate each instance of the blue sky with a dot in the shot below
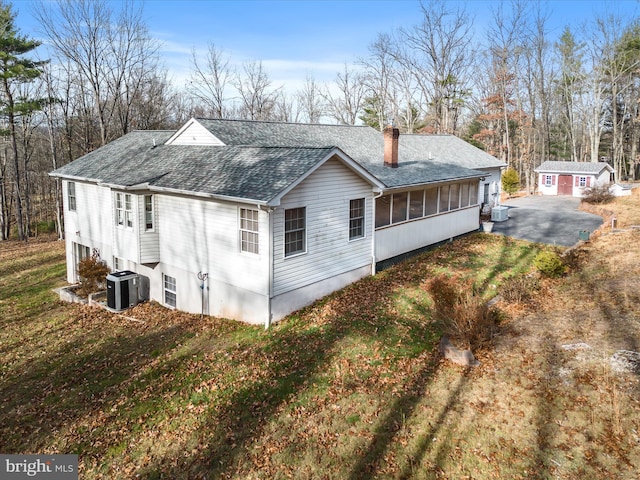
(296, 38)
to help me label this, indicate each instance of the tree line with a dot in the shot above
(519, 90)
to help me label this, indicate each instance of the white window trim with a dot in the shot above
(153, 213)
(548, 180)
(241, 230)
(582, 181)
(166, 290)
(363, 217)
(123, 216)
(284, 243)
(72, 199)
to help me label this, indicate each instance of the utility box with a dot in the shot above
(122, 290)
(499, 214)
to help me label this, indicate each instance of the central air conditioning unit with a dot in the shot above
(122, 290)
(499, 214)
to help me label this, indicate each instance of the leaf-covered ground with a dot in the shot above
(349, 388)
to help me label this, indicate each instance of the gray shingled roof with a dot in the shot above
(422, 158)
(593, 168)
(260, 159)
(255, 173)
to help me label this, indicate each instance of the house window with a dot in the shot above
(416, 204)
(117, 264)
(473, 193)
(294, 231)
(356, 218)
(383, 211)
(148, 212)
(548, 180)
(248, 230)
(431, 201)
(454, 196)
(71, 196)
(583, 182)
(124, 212)
(464, 195)
(169, 291)
(399, 211)
(444, 199)
(485, 197)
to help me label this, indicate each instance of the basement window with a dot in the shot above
(170, 292)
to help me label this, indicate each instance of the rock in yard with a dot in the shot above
(461, 357)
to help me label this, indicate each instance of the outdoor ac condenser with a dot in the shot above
(122, 290)
(499, 214)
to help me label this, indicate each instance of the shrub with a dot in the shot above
(598, 194)
(510, 181)
(460, 314)
(549, 264)
(519, 289)
(93, 273)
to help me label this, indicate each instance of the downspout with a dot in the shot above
(269, 211)
(373, 236)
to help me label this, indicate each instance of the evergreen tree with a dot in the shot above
(15, 70)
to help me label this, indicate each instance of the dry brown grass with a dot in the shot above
(350, 388)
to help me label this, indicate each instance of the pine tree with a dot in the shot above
(15, 70)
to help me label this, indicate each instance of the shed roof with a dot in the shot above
(586, 168)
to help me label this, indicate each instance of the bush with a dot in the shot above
(93, 273)
(519, 289)
(598, 194)
(510, 181)
(549, 264)
(460, 314)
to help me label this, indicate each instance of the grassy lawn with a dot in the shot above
(349, 388)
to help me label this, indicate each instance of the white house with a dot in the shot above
(571, 178)
(277, 215)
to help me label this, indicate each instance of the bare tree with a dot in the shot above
(379, 101)
(257, 98)
(310, 101)
(112, 55)
(439, 55)
(345, 104)
(210, 80)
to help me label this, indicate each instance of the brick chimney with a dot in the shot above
(391, 136)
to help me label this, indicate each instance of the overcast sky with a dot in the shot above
(296, 38)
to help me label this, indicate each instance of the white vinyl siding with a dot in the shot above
(195, 134)
(149, 239)
(198, 235)
(326, 194)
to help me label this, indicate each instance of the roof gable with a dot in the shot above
(194, 133)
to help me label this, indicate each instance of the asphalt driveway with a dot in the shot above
(546, 219)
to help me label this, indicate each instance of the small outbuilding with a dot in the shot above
(571, 178)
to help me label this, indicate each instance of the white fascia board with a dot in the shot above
(225, 198)
(74, 178)
(347, 161)
(418, 186)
